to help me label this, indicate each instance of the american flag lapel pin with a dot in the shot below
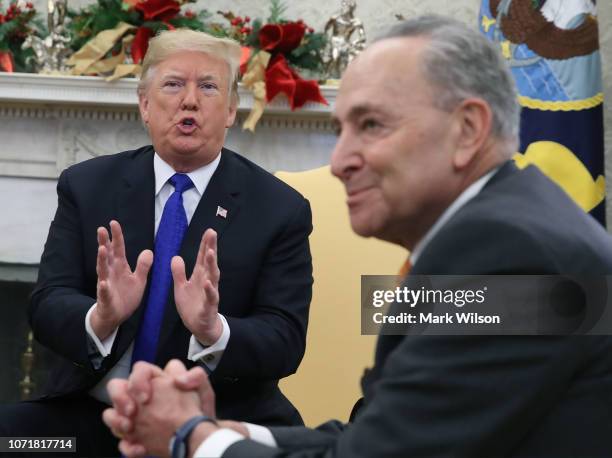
(222, 212)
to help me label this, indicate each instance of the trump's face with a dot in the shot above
(186, 107)
(394, 148)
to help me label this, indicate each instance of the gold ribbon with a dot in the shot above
(88, 58)
(121, 69)
(255, 80)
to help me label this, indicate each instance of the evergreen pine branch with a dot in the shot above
(277, 9)
(253, 38)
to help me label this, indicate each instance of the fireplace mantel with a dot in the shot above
(48, 123)
(95, 91)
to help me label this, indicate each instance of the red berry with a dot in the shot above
(300, 21)
(29, 5)
(310, 30)
(247, 19)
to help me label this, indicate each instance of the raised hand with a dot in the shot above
(119, 290)
(197, 299)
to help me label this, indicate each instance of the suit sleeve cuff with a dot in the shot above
(217, 443)
(105, 346)
(260, 434)
(211, 355)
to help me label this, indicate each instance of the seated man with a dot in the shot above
(427, 121)
(240, 313)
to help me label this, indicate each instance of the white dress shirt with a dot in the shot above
(211, 355)
(218, 442)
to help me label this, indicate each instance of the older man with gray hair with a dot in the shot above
(427, 122)
(156, 288)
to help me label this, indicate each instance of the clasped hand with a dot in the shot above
(120, 291)
(150, 406)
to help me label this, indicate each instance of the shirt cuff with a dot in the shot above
(105, 346)
(260, 434)
(211, 355)
(215, 445)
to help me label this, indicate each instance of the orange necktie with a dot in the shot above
(404, 270)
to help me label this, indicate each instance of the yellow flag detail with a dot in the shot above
(562, 166)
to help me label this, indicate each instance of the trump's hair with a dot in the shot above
(461, 63)
(170, 42)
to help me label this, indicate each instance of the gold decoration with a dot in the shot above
(27, 385)
(88, 58)
(255, 80)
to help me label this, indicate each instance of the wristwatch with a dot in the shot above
(178, 443)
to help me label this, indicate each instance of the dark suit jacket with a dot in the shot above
(265, 285)
(485, 396)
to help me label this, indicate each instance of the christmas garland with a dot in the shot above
(16, 24)
(113, 35)
(110, 38)
(274, 53)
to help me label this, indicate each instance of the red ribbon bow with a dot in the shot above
(152, 10)
(282, 38)
(158, 10)
(141, 44)
(281, 78)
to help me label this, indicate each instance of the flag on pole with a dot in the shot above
(552, 48)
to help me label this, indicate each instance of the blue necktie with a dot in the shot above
(168, 240)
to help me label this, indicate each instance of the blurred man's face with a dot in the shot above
(186, 107)
(394, 149)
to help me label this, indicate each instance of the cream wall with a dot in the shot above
(327, 382)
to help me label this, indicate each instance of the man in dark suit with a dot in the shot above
(427, 120)
(240, 313)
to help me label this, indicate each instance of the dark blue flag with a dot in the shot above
(553, 51)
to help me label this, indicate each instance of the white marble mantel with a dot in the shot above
(50, 122)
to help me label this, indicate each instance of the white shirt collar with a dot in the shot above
(200, 177)
(468, 194)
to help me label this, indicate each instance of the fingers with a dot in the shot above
(211, 266)
(103, 295)
(118, 392)
(131, 449)
(118, 424)
(207, 399)
(102, 263)
(139, 383)
(103, 237)
(117, 241)
(175, 368)
(177, 266)
(143, 265)
(196, 379)
(208, 242)
(212, 293)
(191, 379)
(102, 259)
(211, 239)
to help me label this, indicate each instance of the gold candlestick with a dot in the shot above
(27, 385)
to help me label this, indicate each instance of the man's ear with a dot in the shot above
(232, 110)
(474, 118)
(143, 106)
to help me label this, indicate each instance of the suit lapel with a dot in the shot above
(136, 214)
(223, 191)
